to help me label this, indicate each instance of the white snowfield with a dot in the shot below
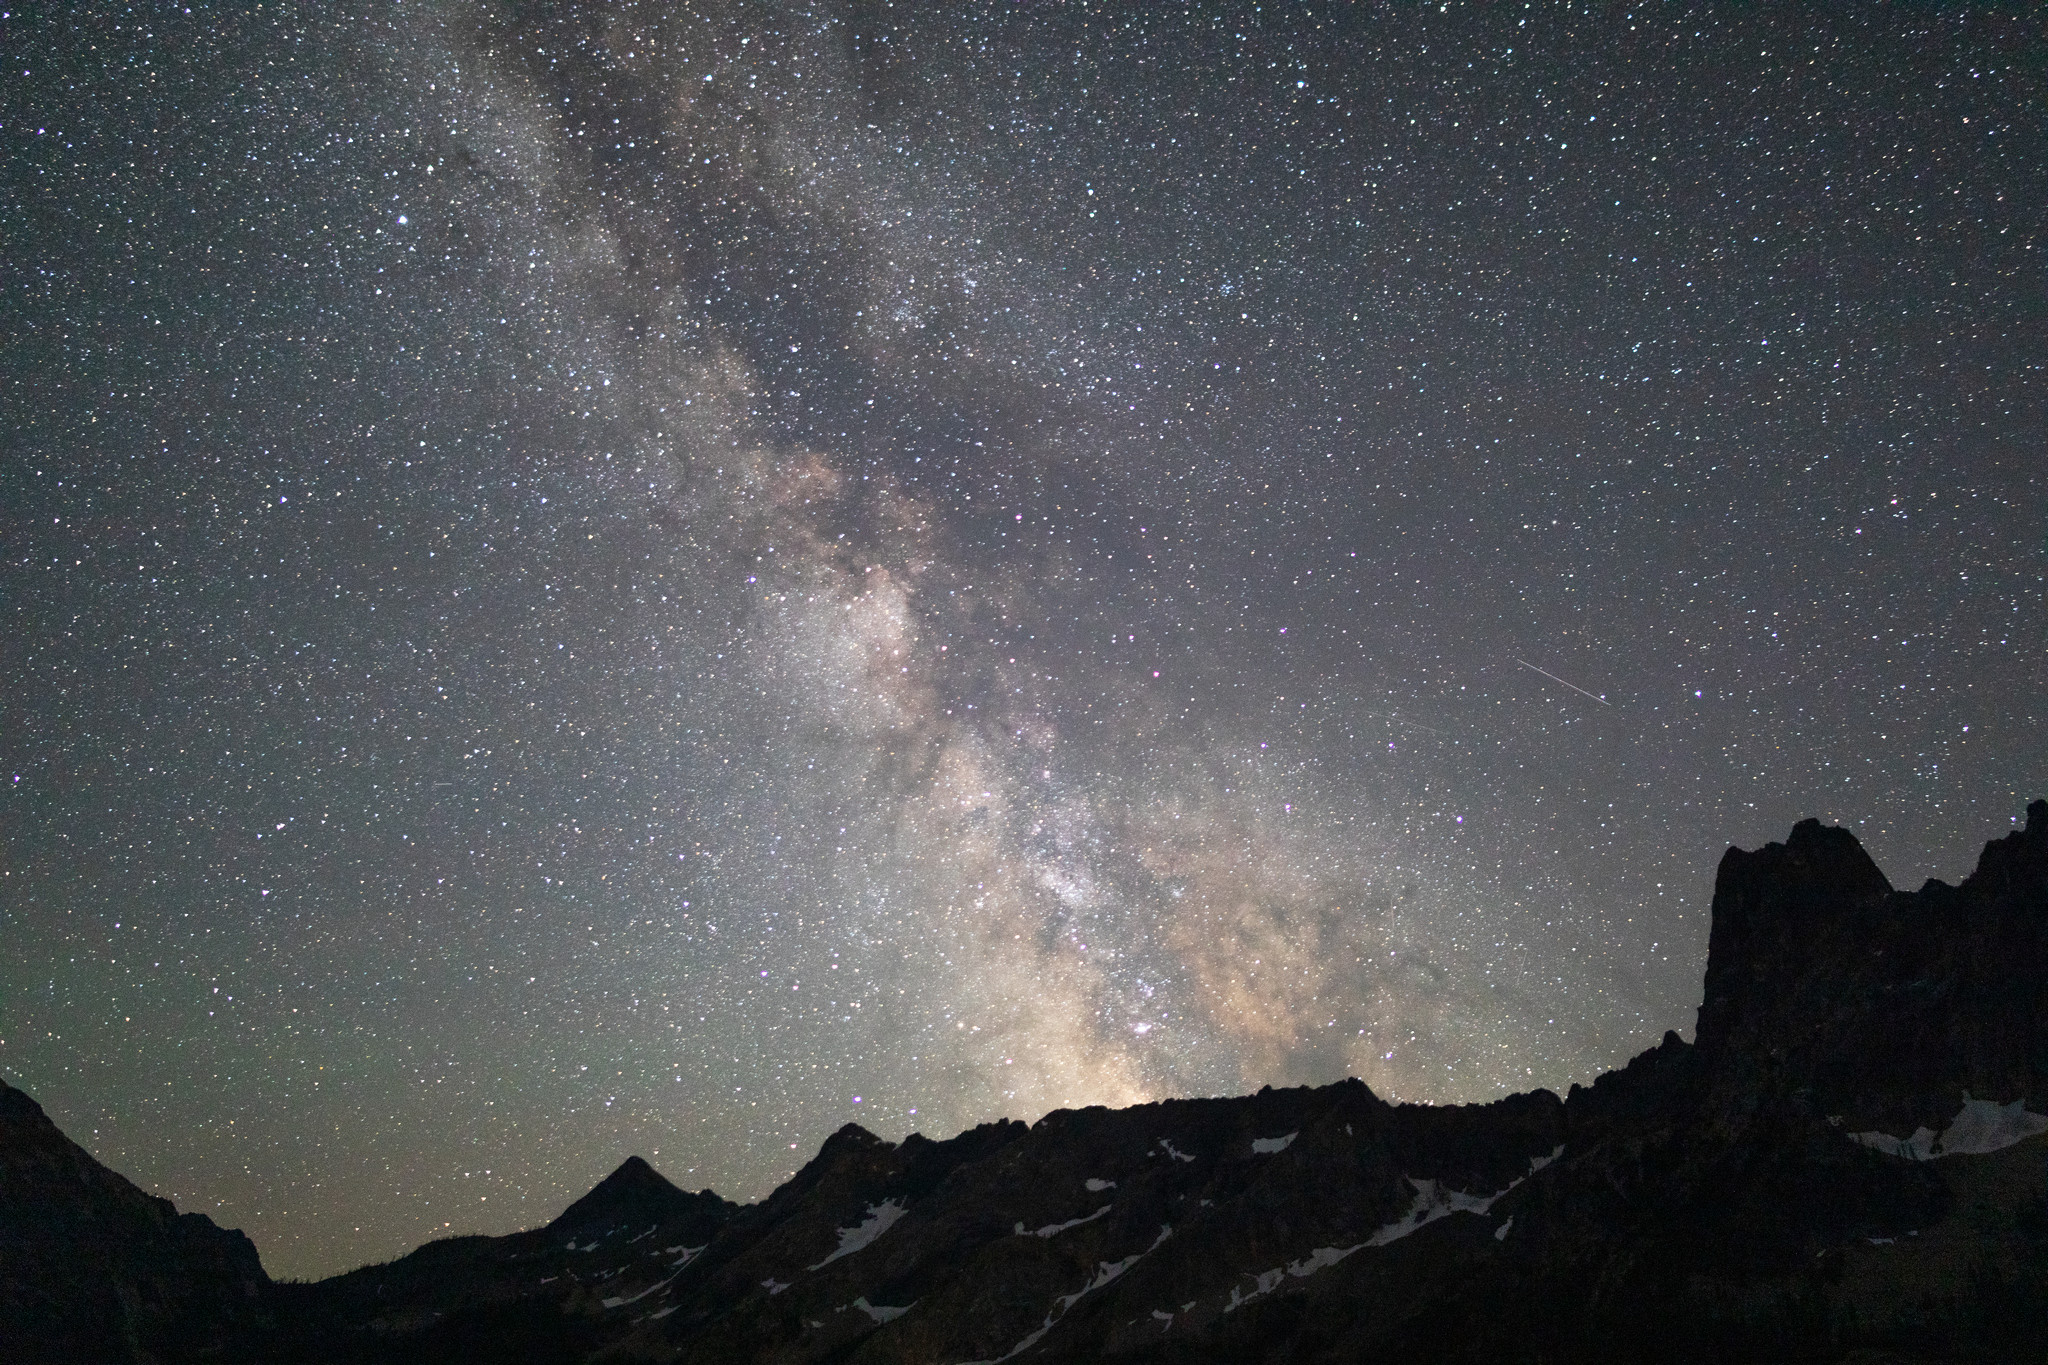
(881, 1217)
(1096, 1186)
(1105, 1272)
(881, 1312)
(1166, 1144)
(1320, 1259)
(1268, 1146)
(1433, 1201)
(1055, 1229)
(1262, 1283)
(1983, 1126)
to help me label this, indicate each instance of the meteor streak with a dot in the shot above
(1554, 678)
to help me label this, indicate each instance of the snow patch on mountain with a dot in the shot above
(1983, 1126)
(1262, 1283)
(1322, 1258)
(658, 1284)
(881, 1217)
(1105, 1273)
(1432, 1201)
(881, 1312)
(1055, 1229)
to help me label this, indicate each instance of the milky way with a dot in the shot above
(609, 578)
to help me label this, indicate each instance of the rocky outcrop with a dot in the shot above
(1828, 989)
(1842, 1166)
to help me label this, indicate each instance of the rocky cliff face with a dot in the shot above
(1827, 987)
(1841, 1167)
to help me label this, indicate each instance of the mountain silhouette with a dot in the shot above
(1843, 1166)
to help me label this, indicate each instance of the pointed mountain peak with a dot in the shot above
(634, 1171)
(634, 1191)
(850, 1138)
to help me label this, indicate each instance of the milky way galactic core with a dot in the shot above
(589, 579)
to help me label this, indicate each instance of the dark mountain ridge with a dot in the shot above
(1841, 1167)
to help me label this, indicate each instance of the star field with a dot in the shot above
(582, 579)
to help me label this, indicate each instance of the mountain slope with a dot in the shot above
(93, 1269)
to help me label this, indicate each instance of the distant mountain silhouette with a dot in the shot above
(1842, 1167)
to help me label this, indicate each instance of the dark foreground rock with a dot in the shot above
(1841, 1168)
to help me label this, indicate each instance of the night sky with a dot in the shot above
(590, 579)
